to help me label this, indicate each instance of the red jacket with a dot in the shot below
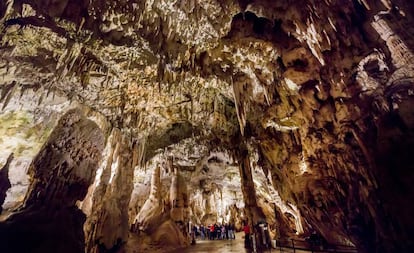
(246, 229)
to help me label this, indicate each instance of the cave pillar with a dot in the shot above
(176, 198)
(156, 184)
(207, 203)
(92, 226)
(108, 225)
(253, 212)
(61, 173)
(388, 27)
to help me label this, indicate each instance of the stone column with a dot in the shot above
(176, 198)
(253, 211)
(108, 225)
(61, 174)
(388, 24)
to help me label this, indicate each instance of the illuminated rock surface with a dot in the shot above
(298, 113)
(49, 219)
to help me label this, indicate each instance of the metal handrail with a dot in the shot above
(305, 245)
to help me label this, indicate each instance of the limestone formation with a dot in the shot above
(150, 215)
(297, 113)
(108, 224)
(61, 174)
(253, 211)
(4, 180)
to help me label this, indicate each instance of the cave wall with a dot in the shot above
(60, 176)
(25, 126)
(343, 143)
(4, 181)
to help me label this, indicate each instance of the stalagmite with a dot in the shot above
(108, 225)
(150, 216)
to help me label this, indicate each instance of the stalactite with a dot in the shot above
(239, 104)
(141, 152)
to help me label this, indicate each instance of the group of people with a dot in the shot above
(227, 232)
(215, 231)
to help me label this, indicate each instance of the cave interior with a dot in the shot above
(121, 122)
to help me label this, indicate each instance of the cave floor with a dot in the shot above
(216, 246)
(226, 246)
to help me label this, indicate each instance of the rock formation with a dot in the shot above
(61, 174)
(298, 113)
(108, 223)
(4, 180)
(150, 215)
(178, 198)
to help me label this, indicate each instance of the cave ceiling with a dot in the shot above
(171, 70)
(214, 72)
(188, 78)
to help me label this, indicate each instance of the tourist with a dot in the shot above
(246, 230)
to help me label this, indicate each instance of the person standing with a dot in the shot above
(223, 232)
(231, 231)
(202, 232)
(246, 230)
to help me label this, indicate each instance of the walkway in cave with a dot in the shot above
(227, 246)
(216, 246)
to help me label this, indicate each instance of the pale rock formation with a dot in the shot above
(235, 217)
(150, 217)
(169, 234)
(178, 197)
(107, 226)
